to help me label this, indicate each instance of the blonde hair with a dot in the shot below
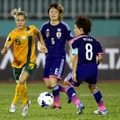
(15, 12)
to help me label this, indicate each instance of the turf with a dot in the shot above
(110, 91)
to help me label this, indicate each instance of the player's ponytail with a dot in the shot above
(18, 11)
(15, 11)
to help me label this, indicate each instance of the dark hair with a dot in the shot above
(84, 22)
(58, 7)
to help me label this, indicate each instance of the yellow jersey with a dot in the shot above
(23, 43)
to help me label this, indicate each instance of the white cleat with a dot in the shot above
(25, 108)
(13, 108)
(99, 112)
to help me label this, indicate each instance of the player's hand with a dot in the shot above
(4, 51)
(74, 77)
(43, 49)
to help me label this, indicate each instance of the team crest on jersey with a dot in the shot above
(58, 34)
(31, 66)
(47, 32)
(23, 37)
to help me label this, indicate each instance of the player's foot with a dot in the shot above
(56, 107)
(13, 108)
(80, 108)
(25, 108)
(99, 112)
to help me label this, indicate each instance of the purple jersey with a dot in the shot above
(55, 38)
(88, 48)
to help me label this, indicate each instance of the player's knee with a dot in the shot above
(48, 86)
(21, 81)
(92, 88)
(66, 83)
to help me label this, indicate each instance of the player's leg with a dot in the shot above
(16, 73)
(99, 99)
(59, 66)
(93, 72)
(72, 93)
(56, 74)
(23, 88)
(47, 68)
(20, 89)
(56, 92)
(27, 71)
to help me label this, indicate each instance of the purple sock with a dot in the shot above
(72, 95)
(56, 91)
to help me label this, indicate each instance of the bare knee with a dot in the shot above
(92, 87)
(67, 84)
(21, 81)
(23, 77)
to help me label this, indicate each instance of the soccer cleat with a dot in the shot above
(13, 108)
(56, 107)
(25, 108)
(99, 112)
(80, 108)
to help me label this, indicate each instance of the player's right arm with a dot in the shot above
(74, 66)
(7, 45)
(5, 49)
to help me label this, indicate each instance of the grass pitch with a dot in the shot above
(110, 92)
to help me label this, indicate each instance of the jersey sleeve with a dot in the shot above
(36, 30)
(75, 47)
(75, 44)
(10, 39)
(69, 34)
(100, 50)
(42, 32)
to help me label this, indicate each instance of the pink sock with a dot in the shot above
(101, 106)
(57, 101)
(62, 89)
(76, 100)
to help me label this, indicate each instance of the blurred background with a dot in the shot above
(105, 15)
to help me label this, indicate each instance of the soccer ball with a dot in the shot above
(45, 99)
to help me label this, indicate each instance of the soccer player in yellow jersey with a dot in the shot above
(24, 63)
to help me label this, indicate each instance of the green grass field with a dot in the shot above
(110, 91)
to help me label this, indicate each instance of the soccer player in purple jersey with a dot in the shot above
(84, 65)
(55, 34)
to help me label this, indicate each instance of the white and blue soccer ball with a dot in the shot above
(45, 99)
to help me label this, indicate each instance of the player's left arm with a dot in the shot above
(100, 58)
(99, 54)
(41, 45)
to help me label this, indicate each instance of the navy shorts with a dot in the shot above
(87, 73)
(54, 68)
